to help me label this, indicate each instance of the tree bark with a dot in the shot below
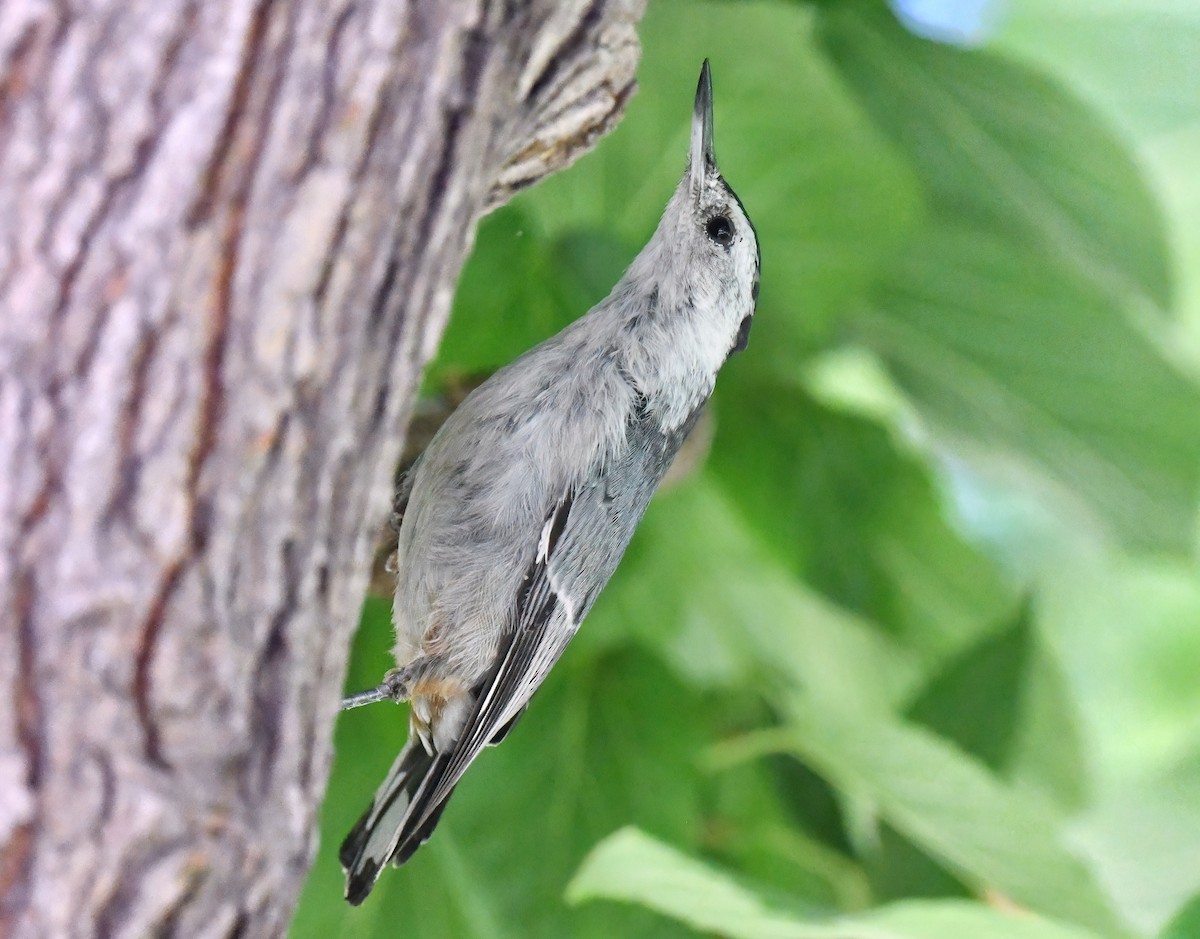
(230, 234)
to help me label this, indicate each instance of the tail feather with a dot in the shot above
(409, 842)
(398, 821)
(408, 805)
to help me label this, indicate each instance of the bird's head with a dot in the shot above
(688, 299)
(719, 246)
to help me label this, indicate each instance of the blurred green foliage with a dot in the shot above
(918, 645)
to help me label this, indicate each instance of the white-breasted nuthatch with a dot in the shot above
(520, 508)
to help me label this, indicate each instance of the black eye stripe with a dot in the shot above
(745, 214)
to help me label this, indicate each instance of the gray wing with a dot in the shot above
(582, 541)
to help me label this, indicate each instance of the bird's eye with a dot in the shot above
(720, 230)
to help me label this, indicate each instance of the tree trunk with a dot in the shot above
(230, 234)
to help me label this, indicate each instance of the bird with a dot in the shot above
(517, 513)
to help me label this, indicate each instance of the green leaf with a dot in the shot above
(1022, 319)
(948, 804)
(1137, 64)
(898, 868)
(1006, 148)
(835, 497)
(958, 920)
(1186, 923)
(1129, 634)
(1048, 754)
(1137, 61)
(699, 587)
(975, 702)
(1143, 839)
(1003, 354)
(633, 867)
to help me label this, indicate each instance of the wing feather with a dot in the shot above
(581, 542)
(541, 635)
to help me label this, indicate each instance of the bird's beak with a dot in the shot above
(702, 159)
